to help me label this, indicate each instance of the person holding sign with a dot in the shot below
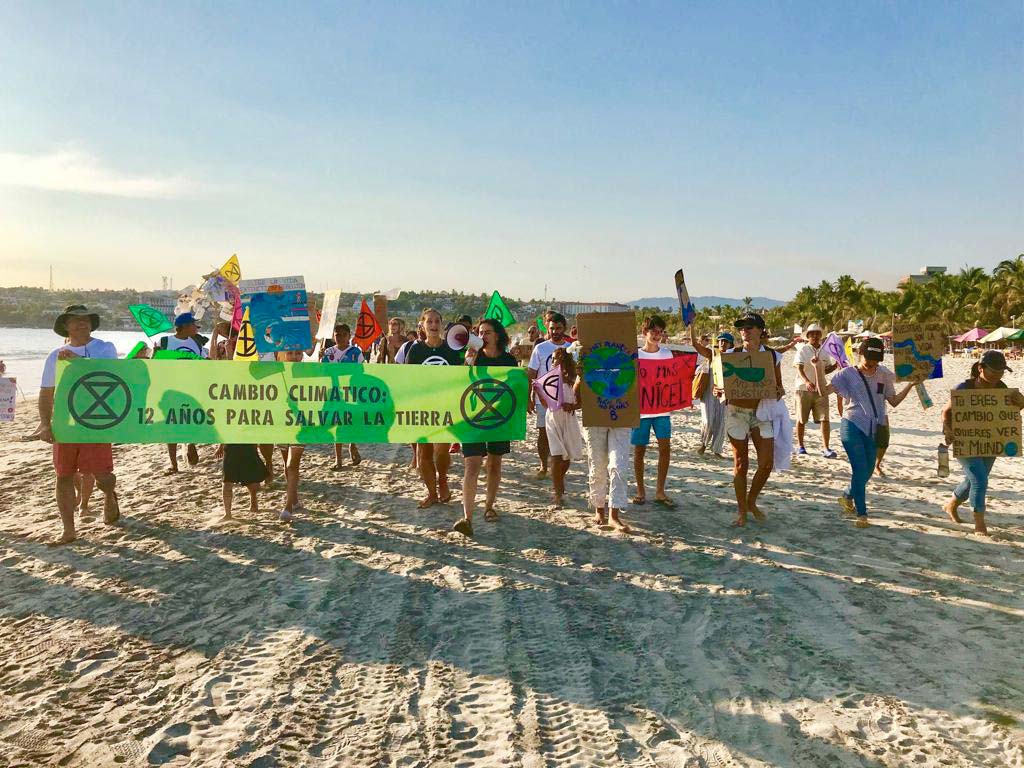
(540, 363)
(712, 409)
(493, 353)
(985, 374)
(565, 439)
(751, 418)
(433, 458)
(76, 324)
(186, 338)
(640, 437)
(865, 388)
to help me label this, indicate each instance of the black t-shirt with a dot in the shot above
(503, 358)
(420, 353)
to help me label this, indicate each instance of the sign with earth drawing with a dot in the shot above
(608, 367)
(220, 401)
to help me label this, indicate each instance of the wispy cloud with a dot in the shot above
(72, 170)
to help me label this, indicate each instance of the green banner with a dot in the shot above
(498, 310)
(222, 401)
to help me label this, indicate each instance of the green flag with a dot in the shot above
(498, 310)
(540, 325)
(151, 320)
(171, 401)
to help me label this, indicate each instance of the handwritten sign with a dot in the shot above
(609, 394)
(271, 285)
(328, 314)
(8, 391)
(666, 385)
(280, 321)
(985, 423)
(917, 348)
(745, 375)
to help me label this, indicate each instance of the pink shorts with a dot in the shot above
(93, 458)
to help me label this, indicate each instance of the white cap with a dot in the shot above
(813, 327)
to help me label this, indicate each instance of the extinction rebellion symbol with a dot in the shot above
(488, 404)
(99, 400)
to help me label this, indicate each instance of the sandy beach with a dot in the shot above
(369, 634)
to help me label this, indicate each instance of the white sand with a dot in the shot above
(367, 634)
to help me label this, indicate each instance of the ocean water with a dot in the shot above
(24, 351)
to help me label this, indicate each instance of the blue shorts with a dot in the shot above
(662, 426)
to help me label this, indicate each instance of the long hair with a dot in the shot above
(976, 370)
(562, 357)
(499, 331)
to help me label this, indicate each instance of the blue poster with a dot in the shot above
(280, 321)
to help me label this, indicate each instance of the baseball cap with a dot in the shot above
(185, 318)
(872, 349)
(724, 336)
(995, 360)
(749, 318)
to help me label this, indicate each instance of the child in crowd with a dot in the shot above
(565, 439)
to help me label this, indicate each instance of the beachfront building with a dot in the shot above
(924, 276)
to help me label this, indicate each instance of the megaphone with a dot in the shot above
(475, 342)
(457, 336)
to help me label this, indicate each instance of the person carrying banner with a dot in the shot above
(76, 324)
(865, 388)
(808, 400)
(433, 458)
(653, 330)
(540, 363)
(565, 440)
(987, 373)
(186, 337)
(712, 409)
(344, 351)
(493, 353)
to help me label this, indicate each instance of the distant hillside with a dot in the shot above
(669, 303)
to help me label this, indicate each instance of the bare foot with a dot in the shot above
(979, 524)
(171, 470)
(619, 523)
(878, 471)
(757, 513)
(541, 473)
(950, 508)
(740, 521)
(444, 492)
(701, 449)
(601, 518)
(226, 516)
(427, 502)
(556, 500)
(337, 467)
(111, 509)
(66, 538)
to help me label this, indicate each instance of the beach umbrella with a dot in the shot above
(972, 335)
(999, 334)
(1018, 336)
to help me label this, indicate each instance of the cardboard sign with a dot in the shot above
(168, 401)
(380, 310)
(280, 321)
(667, 385)
(917, 348)
(8, 393)
(746, 375)
(985, 423)
(608, 366)
(329, 314)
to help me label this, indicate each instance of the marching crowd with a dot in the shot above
(865, 391)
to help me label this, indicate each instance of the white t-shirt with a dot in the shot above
(661, 354)
(804, 353)
(96, 349)
(352, 354)
(189, 345)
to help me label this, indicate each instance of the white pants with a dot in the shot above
(609, 460)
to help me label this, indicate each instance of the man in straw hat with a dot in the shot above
(809, 401)
(76, 324)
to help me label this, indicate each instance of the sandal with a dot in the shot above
(490, 515)
(639, 500)
(464, 527)
(111, 517)
(667, 503)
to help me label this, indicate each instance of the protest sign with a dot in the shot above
(329, 314)
(609, 394)
(271, 285)
(245, 346)
(550, 387)
(687, 312)
(8, 397)
(280, 321)
(380, 310)
(150, 319)
(667, 385)
(367, 328)
(745, 375)
(917, 348)
(498, 310)
(153, 401)
(985, 423)
(835, 346)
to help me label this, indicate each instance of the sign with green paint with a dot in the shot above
(221, 401)
(150, 319)
(498, 310)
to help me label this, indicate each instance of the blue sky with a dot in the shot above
(593, 147)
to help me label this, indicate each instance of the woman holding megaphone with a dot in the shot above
(490, 348)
